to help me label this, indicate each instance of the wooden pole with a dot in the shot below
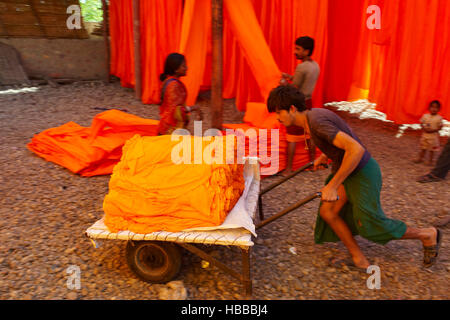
(137, 48)
(105, 36)
(216, 80)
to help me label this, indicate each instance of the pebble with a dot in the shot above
(69, 250)
(298, 285)
(72, 295)
(173, 290)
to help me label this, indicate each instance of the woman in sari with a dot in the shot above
(173, 112)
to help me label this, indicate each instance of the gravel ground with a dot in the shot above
(45, 210)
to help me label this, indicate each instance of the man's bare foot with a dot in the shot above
(337, 262)
(430, 236)
(361, 262)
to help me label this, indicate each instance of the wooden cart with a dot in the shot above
(156, 257)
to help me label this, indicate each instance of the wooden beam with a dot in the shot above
(137, 48)
(38, 19)
(3, 27)
(105, 37)
(216, 79)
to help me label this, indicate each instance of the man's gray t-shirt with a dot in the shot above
(324, 125)
(305, 77)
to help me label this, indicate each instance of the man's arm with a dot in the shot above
(353, 154)
(322, 159)
(299, 77)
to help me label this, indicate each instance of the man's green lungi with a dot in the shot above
(363, 213)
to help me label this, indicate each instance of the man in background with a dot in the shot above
(305, 78)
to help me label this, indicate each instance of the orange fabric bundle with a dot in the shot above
(149, 191)
(94, 150)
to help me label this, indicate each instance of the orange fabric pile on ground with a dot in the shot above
(94, 150)
(256, 118)
(150, 190)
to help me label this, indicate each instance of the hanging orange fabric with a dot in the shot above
(122, 51)
(344, 20)
(231, 57)
(160, 34)
(114, 31)
(401, 67)
(257, 53)
(193, 44)
(410, 53)
(416, 62)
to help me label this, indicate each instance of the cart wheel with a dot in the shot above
(153, 261)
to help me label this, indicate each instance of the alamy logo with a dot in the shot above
(374, 281)
(374, 20)
(74, 280)
(74, 20)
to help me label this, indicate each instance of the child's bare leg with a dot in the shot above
(420, 156)
(430, 162)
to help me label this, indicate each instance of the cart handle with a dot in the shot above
(293, 174)
(289, 209)
(276, 184)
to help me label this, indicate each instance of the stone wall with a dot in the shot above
(81, 59)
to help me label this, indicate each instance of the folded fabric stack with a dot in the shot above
(152, 189)
(257, 119)
(94, 150)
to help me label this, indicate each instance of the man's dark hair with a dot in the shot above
(283, 97)
(306, 43)
(437, 102)
(171, 65)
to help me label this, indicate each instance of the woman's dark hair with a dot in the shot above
(283, 97)
(306, 43)
(437, 102)
(171, 65)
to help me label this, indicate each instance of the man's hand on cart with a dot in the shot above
(321, 162)
(329, 194)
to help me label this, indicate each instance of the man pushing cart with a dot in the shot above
(350, 200)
